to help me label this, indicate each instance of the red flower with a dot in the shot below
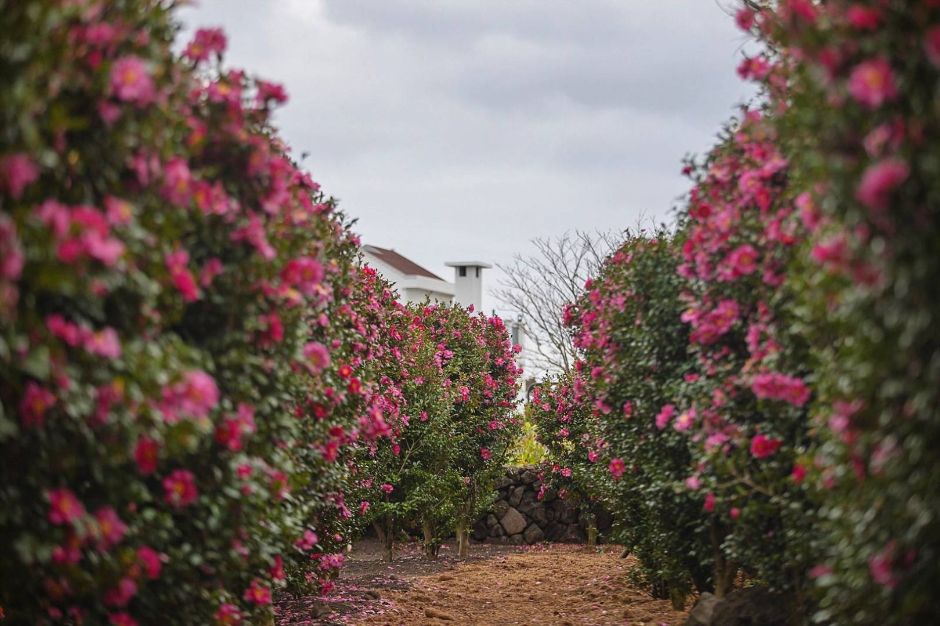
(763, 446)
(485, 454)
(257, 593)
(709, 502)
(228, 615)
(775, 386)
(146, 454)
(863, 18)
(121, 619)
(150, 560)
(180, 488)
(36, 401)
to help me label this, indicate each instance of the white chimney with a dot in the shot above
(468, 282)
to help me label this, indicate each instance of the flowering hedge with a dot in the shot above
(458, 387)
(565, 426)
(635, 353)
(856, 86)
(162, 261)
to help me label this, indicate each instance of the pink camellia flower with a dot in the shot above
(881, 566)
(230, 431)
(932, 45)
(150, 560)
(131, 82)
(122, 594)
(193, 397)
(121, 619)
(210, 270)
(205, 42)
(17, 172)
(734, 513)
(740, 262)
(110, 528)
(308, 541)
(693, 482)
(64, 507)
(146, 454)
(485, 454)
(617, 467)
(879, 180)
(763, 446)
(798, 474)
(179, 488)
(257, 593)
(303, 273)
(592, 456)
(776, 386)
(228, 615)
(744, 18)
(104, 343)
(387, 488)
(276, 93)
(317, 355)
(176, 264)
(872, 83)
(685, 421)
(177, 182)
(36, 401)
(664, 416)
(363, 507)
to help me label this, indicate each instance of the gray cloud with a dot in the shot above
(463, 128)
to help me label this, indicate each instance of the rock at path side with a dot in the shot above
(704, 611)
(516, 540)
(529, 477)
(516, 496)
(513, 522)
(500, 507)
(742, 607)
(533, 534)
(480, 530)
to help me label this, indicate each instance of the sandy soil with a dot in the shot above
(559, 585)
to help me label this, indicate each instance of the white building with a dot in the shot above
(414, 283)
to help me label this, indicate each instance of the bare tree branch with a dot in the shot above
(538, 285)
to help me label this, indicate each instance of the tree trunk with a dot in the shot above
(725, 571)
(389, 538)
(463, 540)
(590, 522)
(427, 528)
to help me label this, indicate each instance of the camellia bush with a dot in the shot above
(566, 426)
(164, 264)
(856, 83)
(458, 386)
(745, 405)
(635, 351)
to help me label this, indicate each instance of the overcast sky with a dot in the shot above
(460, 129)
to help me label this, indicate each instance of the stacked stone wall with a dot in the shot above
(519, 517)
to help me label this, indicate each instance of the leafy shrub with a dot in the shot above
(857, 82)
(162, 261)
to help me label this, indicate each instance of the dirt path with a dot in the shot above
(556, 585)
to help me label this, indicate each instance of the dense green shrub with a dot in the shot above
(458, 387)
(635, 353)
(163, 260)
(857, 85)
